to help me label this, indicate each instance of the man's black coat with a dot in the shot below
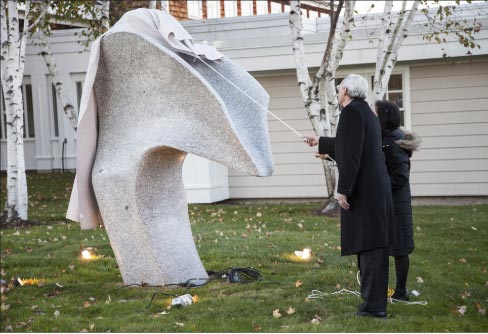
(363, 178)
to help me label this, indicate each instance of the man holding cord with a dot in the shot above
(364, 192)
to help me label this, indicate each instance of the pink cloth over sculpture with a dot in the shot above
(157, 27)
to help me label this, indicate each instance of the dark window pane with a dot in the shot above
(30, 111)
(79, 90)
(395, 82)
(55, 110)
(2, 109)
(397, 98)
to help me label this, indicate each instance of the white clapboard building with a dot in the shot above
(446, 104)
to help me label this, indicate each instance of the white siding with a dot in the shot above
(450, 112)
(298, 174)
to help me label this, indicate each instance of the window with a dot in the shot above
(262, 7)
(394, 93)
(287, 8)
(246, 7)
(213, 9)
(29, 127)
(28, 111)
(54, 99)
(79, 91)
(195, 9)
(3, 121)
(275, 7)
(230, 8)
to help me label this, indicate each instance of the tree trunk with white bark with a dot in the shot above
(152, 4)
(62, 95)
(102, 8)
(391, 38)
(13, 62)
(319, 115)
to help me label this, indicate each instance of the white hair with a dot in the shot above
(356, 85)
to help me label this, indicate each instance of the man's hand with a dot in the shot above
(342, 199)
(311, 141)
(321, 156)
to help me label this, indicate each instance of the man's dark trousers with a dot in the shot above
(373, 266)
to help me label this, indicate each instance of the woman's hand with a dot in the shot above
(311, 141)
(342, 199)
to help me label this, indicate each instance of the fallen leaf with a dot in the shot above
(290, 310)
(461, 309)
(420, 280)
(480, 309)
(463, 260)
(56, 313)
(259, 214)
(84, 330)
(257, 328)
(300, 226)
(92, 326)
(316, 320)
(92, 299)
(298, 283)
(9, 328)
(276, 313)
(179, 324)
(163, 313)
(86, 304)
(474, 228)
(4, 307)
(337, 286)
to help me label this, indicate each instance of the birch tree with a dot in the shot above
(47, 55)
(393, 31)
(152, 4)
(323, 118)
(13, 43)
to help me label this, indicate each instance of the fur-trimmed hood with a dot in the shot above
(411, 141)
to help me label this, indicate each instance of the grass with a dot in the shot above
(448, 268)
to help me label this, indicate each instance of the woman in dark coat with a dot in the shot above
(364, 192)
(398, 147)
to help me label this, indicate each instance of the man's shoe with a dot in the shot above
(371, 314)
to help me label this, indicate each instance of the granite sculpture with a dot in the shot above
(155, 106)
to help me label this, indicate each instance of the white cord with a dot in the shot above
(262, 107)
(315, 294)
(397, 301)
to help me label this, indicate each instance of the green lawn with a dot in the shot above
(448, 268)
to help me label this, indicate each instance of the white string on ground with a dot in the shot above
(319, 294)
(256, 102)
(397, 301)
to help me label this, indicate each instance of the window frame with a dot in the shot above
(405, 72)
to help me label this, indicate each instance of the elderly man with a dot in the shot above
(364, 192)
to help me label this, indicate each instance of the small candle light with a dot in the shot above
(306, 254)
(88, 254)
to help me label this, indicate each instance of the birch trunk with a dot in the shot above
(311, 99)
(13, 62)
(390, 44)
(47, 55)
(103, 9)
(152, 4)
(333, 110)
